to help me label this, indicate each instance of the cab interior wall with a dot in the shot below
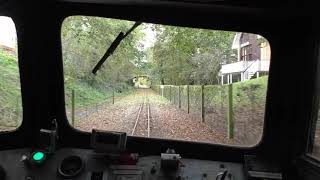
(288, 102)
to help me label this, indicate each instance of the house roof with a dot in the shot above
(236, 41)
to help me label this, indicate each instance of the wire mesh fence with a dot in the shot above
(195, 100)
(249, 109)
(216, 106)
(210, 103)
(11, 115)
(184, 98)
(78, 110)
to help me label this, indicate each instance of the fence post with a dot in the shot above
(112, 96)
(230, 112)
(179, 97)
(174, 96)
(202, 104)
(18, 112)
(188, 99)
(72, 108)
(175, 99)
(162, 89)
(170, 92)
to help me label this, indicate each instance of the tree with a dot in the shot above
(179, 55)
(190, 56)
(85, 40)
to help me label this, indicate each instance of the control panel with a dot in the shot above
(108, 159)
(84, 164)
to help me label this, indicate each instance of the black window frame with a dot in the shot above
(158, 145)
(43, 88)
(8, 15)
(315, 113)
(307, 165)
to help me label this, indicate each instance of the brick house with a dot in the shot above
(253, 59)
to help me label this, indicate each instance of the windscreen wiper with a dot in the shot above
(114, 46)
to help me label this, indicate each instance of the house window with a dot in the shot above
(246, 53)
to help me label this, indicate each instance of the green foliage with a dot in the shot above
(179, 55)
(86, 39)
(195, 97)
(250, 93)
(247, 94)
(261, 40)
(216, 96)
(86, 95)
(190, 56)
(10, 93)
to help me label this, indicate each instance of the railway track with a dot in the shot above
(142, 122)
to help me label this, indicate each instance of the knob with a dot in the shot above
(70, 167)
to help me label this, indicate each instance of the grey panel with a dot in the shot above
(190, 169)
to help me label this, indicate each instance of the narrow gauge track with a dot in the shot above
(142, 123)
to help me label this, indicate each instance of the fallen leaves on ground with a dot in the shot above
(167, 121)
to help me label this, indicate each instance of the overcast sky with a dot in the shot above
(7, 32)
(150, 36)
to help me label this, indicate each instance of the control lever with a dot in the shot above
(222, 175)
(170, 161)
(46, 146)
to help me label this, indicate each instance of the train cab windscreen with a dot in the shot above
(162, 81)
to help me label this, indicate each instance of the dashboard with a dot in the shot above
(86, 164)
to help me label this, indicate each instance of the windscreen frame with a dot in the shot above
(136, 140)
(247, 146)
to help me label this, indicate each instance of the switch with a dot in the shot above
(37, 158)
(97, 176)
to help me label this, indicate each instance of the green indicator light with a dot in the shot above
(38, 156)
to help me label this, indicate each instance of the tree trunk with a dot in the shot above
(162, 81)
